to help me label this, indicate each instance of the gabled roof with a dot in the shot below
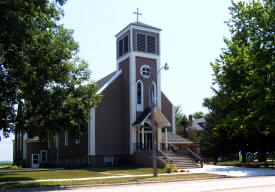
(144, 25)
(159, 117)
(142, 117)
(107, 80)
(174, 138)
(140, 24)
(198, 124)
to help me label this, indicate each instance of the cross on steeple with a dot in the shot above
(137, 13)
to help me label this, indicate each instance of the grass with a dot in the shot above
(5, 164)
(111, 181)
(229, 163)
(126, 170)
(37, 174)
(48, 174)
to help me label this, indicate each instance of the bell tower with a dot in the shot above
(138, 53)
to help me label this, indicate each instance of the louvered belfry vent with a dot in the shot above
(146, 43)
(151, 44)
(141, 43)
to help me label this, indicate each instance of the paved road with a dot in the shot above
(243, 184)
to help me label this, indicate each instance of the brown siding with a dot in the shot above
(153, 65)
(34, 147)
(135, 31)
(112, 116)
(166, 109)
(71, 155)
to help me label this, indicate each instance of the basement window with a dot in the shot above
(108, 160)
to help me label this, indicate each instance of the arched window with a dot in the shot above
(139, 96)
(154, 93)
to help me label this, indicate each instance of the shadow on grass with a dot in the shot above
(4, 177)
(109, 168)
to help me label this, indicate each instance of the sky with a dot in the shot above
(191, 37)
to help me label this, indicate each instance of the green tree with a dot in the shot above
(245, 75)
(182, 122)
(198, 115)
(45, 86)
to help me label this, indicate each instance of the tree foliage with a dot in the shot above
(182, 122)
(198, 115)
(44, 86)
(243, 107)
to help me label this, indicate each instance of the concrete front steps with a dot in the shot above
(182, 162)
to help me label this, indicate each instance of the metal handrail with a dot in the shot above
(166, 156)
(195, 156)
(173, 148)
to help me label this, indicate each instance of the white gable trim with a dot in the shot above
(92, 132)
(109, 82)
(132, 83)
(173, 119)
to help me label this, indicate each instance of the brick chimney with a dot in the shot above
(190, 118)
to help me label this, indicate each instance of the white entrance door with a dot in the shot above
(35, 160)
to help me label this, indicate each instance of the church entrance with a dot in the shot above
(145, 138)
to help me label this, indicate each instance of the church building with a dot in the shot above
(119, 130)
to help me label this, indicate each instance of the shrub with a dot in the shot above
(170, 168)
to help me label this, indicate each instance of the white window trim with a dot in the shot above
(49, 142)
(20, 140)
(56, 140)
(77, 140)
(141, 71)
(66, 140)
(109, 160)
(140, 106)
(155, 92)
(41, 151)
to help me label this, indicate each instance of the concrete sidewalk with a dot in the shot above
(235, 171)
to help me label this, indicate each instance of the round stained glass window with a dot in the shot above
(145, 71)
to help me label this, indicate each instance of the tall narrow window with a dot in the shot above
(77, 140)
(154, 95)
(139, 93)
(21, 140)
(139, 96)
(66, 137)
(56, 140)
(49, 142)
(18, 140)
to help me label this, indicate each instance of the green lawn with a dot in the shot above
(126, 170)
(5, 164)
(111, 181)
(34, 174)
(26, 175)
(37, 174)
